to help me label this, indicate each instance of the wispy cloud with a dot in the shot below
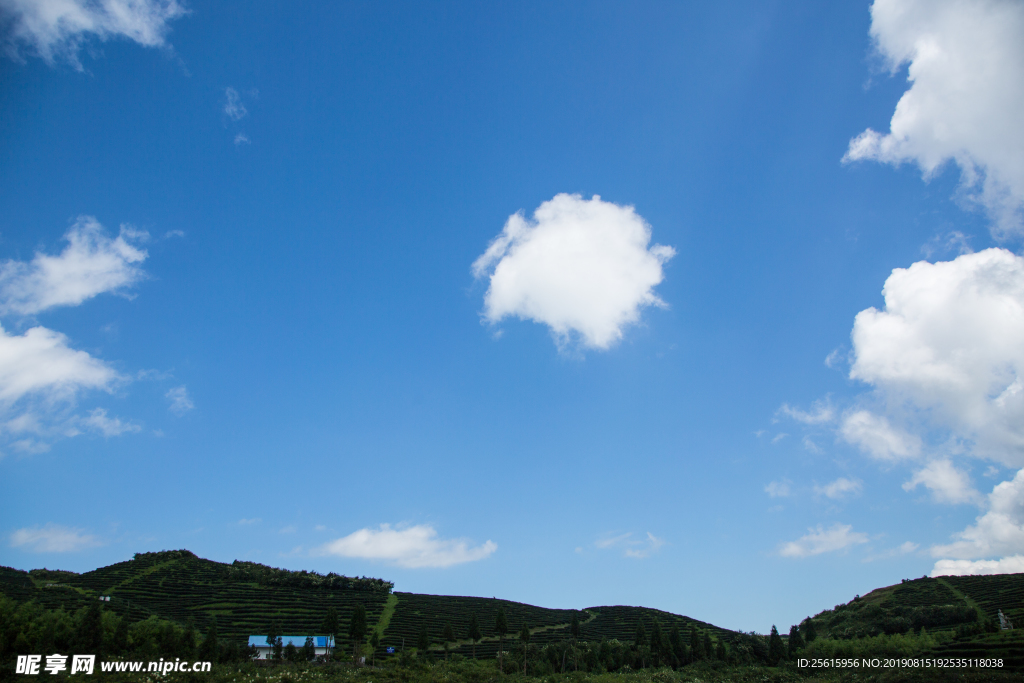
(412, 547)
(242, 139)
(57, 29)
(778, 489)
(108, 426)
(92, 263)
(181, 402)
(247, 522)
(584, 268)
(946, 482)
(819, 540)
(630, 545)
(53, 538)
(233, 106)
(840, 488)
(820, 413)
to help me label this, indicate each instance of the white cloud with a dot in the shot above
(410, 547)
(581, 267)
(108, 426)
(91, 264)
(181, 402)
(966, 66)
(53, 538)
(840, 488)
(41, 363)
(820, 413)
(242, 139)
(998, 532)
(57, 29)
(778, 489)
(879, 439)
(30, 446)
(819, 540)
(779, 437)
(810, 445)
(233, 106)
(948, 349)
(1005, 565)
(247, 522)
(637, 548)
(947, 483)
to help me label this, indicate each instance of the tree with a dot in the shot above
(696, 645)
(357, 630)
(309, 649)
(574, 631)
(291, 653)
(675, 641)
(640, 637)
(423, 641)
(796, 641)
(374, 642)
(120, 644)
(709, 649)
(474, 632)
(447, 636)
(776, 651)
(272, 637)
(657, 642)
(524, 638)
(501, 626)
(188, 639)
(330, 627)
(278, 648)
(808, 631)
(90, 630)
(720, 652)
(208, 648)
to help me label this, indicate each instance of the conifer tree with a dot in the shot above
(374, 642)
(657, 642)
(574, 631)
(357, 630)
(524, 638)
(720, 652)
(120, 644)
(330, 627)
(709, 650)
(808, 631)
(474, 632)
(675, 641)
(272, 637)
(776, 651)
(696, 645)
(796, 641)
(447, 636)
(501, 626)
(309, 649)
(423, 642)
(89, 638)
(208, 648)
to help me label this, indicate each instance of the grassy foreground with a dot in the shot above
(486, 671)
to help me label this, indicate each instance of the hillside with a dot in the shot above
(248, 598)
(966, 607)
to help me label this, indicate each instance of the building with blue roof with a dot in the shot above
(321, 645)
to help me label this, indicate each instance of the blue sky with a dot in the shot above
(572, 305)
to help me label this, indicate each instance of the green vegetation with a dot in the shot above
(171, 603)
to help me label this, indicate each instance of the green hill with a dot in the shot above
(248, 598)
(965, 607)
